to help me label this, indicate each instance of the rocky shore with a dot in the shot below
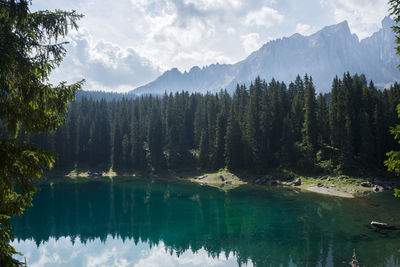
(333, 185)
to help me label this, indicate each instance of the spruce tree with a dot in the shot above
(233, 143)
(322, 118)
(221, 125)
(346, 152)
(367, 141)
(117, 159)
(154, 139)
(204, 150)
(137, 153)
(335, 109)
(254, 133)
(30, 49)
(310, 125)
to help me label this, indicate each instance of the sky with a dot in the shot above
(127, 43)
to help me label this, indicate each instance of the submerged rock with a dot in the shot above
(378, 188)
(382, 225)
(297, 182)
(366, 184)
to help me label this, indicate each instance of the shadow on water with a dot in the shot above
(269, 227)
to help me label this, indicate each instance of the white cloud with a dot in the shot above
(130, 42)
(187, 33)
(266, 17)
(104, 65)
(174, 39)
(364, 16)
(251, 42)
(303, 29)
(215, 4)
(231, 30)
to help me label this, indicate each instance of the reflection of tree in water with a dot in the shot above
(270, 228)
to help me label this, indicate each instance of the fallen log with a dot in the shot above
(382, 225)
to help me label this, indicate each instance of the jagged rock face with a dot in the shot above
(381, 60)
(323, 55)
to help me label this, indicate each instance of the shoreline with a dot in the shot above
(221, 179)
(331, 185)
(330, 192)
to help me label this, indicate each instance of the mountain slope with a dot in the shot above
(324, 54)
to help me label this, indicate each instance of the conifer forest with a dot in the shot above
(265, 126)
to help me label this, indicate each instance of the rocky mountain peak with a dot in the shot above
(331, 51)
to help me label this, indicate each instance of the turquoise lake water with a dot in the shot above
(139, 222)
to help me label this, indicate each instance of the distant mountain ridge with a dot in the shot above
(323, 55)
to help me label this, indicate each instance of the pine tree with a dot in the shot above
(266, 118)
(335, 117)
(137, 153)
(221, 125)
(310, 126)
(233, 143)
(254, 133)
(118, 160)
(200, 121)
(322, 118)
(204, 150)
(154, 139)
(367, 141)
(287, 153)
(103, 130)
(379, 132)
(346, 152)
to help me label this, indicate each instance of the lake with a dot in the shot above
(147, 222)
